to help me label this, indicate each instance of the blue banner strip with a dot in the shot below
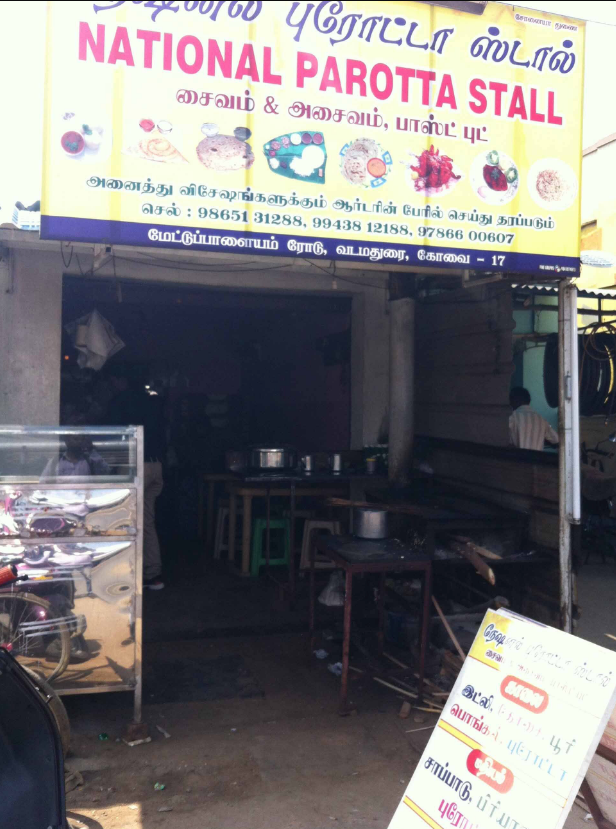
(98, 231)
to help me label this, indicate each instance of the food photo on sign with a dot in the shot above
(430, 136)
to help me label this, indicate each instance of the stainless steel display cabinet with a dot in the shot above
(71, 521)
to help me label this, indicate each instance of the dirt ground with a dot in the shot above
(284, 759)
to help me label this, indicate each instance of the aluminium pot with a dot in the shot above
(284, 457)
(370, 522)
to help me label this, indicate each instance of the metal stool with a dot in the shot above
(320, 562)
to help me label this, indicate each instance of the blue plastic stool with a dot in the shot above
(280, 553)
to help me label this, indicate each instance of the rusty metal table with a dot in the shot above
(356, 555)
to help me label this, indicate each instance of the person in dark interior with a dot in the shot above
(133, 406)
(527, 429)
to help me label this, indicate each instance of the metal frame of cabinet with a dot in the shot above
(80, 542)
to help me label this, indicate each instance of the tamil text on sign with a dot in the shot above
(397, 132)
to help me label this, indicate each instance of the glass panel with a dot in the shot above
(58, 513)
(80, 455)
(72, 617)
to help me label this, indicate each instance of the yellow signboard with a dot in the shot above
(397, 132)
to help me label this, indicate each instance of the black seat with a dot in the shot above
(31, 758)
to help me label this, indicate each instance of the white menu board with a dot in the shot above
(517, 734)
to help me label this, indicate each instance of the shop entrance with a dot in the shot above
(227, 370)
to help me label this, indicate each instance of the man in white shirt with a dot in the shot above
(527, 429)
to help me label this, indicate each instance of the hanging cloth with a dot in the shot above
(95, 339)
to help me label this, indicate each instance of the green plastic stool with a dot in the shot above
(259, 545)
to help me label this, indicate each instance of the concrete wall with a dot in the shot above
(369, 368)
(599, 176)
(30, 340)
(30, 318)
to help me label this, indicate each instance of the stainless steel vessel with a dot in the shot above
(284, 457)
(335, 461)
(370, 522)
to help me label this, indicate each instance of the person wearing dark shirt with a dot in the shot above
(134, 407)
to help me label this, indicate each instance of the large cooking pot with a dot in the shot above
(370, 522)
(284, 457)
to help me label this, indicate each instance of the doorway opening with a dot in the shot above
(229, 370)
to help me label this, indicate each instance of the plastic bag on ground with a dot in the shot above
(333, 594)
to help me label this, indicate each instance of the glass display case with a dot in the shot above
(71, 507)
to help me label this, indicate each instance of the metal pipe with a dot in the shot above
(575, 507)
(346, 644)
(138, 606)
(292, 570)
(401, 388)
(569, 506)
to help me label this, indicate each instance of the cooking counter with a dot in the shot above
(355, 556)
(299, 477)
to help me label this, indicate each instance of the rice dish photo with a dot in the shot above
(310, 160)
(552, 184)
(225, 154)
(298, 155)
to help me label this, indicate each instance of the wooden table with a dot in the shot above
(272, 490)
(354, 555)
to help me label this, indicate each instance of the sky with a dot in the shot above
(599, 112)
(22, 49)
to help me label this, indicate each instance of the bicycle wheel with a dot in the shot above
(27, 623)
